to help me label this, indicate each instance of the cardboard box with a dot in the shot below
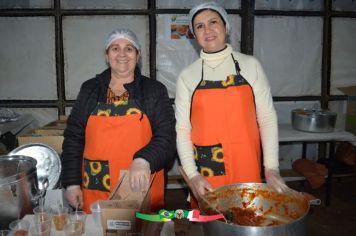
(118, 217)
(53, 139)
(50, 134)
(56, 125)
(118, 212)
(350, 124)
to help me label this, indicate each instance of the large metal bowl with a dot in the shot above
(18, 188)
(311, 120)
(256, 209)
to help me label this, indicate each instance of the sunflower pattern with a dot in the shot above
(96, 175)
(210, 160)
(231, 80)
(133, 110)
(195, 153)
(103, 112)
(206, 171)
(106, 182)
(95, 167)
(113, 109)
(86, 179)
(217, 154)
(202, 83)
(120, 103)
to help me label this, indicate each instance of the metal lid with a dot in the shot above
(48, 162)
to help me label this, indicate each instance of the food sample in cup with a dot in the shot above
(21, 232)
(60, 220)
(19, 227)
(80, 224)
(40, 229)
(60, 217)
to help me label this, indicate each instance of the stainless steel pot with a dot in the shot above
(18, 188)
(256, 210)
(311, 120)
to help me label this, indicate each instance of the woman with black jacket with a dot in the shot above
(121, 120)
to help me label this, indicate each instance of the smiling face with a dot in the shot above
(210, 31)
(122, 57)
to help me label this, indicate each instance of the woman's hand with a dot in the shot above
(74, 196)
(140, 174)
(275, 180)
(200, 185)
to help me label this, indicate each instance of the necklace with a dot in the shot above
(213, 67)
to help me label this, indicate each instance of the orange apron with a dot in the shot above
(111, 140)
(224, 132)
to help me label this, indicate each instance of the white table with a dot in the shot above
(288, 134)
(91, 228)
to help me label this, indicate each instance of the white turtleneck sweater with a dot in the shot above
(217, 66)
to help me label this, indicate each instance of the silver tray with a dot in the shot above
(48, 162)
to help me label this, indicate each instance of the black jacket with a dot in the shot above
(150, 95)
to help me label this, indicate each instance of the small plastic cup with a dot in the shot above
(42, 210)
(19, 227)
(40, 229)
(42, 214)
(4, 232)
(72, 229)
(96, 212)
(78, 217)
(42, 218)
(60, 217)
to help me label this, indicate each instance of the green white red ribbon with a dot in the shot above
(164, 215)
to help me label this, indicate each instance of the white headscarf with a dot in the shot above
(209, 5)
(122, 34)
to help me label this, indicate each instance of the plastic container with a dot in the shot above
(72, 229)
(79, 218)
(96, 212)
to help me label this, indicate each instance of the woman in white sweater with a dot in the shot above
(224, 111)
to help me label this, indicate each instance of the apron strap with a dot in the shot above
(237, 66)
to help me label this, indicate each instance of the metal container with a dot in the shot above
(48, 162)
(277, 214)
(18, 188)
(311, 120)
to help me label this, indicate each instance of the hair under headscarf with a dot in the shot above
(212, 6)
(123, 34)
